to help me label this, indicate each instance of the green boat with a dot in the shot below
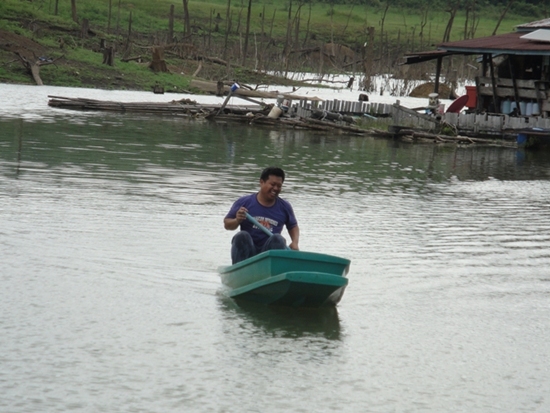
(286, 277)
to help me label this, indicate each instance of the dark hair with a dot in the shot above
(272, 170)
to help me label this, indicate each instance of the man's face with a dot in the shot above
(271, 188)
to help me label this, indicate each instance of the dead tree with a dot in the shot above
(510, 2)
(247, 32)
(109, 16)
(229, 18)
(452, 10)
(33, 66)
(186, 19)
(73, 11)
(108, 53)
(171, 24)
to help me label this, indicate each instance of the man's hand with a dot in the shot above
(232, 224)
(241, 215)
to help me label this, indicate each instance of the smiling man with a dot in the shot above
(270, 211)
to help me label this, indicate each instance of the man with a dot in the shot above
(270, 211)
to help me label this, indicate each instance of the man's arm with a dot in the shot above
(232, 224)
(295, 237)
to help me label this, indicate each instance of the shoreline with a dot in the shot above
(38, 96)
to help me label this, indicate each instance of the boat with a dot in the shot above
(288, 277)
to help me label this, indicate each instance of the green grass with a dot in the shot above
(343, 23)
(346, 23)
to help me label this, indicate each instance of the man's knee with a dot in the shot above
(242, 238)
(275, 242)
(242, 247)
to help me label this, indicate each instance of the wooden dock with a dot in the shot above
(336, 116)
(467, 124)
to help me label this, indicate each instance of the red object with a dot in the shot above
(458, 104)
(471, 92)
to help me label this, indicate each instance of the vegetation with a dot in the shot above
(142, 43)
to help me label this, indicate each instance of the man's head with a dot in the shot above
(272, 170)
(271, 183)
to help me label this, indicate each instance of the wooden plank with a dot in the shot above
(506, 82)
(503, 92)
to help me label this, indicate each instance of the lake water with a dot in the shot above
(111, 233)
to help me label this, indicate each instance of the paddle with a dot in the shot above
(260, 226)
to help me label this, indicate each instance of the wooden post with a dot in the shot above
(437, 74)
(514, 83)
(493, 81)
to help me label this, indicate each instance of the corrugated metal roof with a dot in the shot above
(509, 43)
(539, 24)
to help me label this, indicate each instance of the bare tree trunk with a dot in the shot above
(109, 17)
(118, 19)
(503, 14)
(466, 21)
(238, 28)
(449, 27)
(347, 21)
(33, 67)
(247, 32)
(367, 60)
(171, 24)
(264, 51)
(306, 37)
(56, 10)
(73, 11)
(228, 17)
(130, 27)
(297, 19)
(186, 20)
(288, 30)
(423, 22)
(128, 40)
(382, 26)
(210, 28)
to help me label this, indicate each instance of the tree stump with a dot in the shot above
(109, 56)
(84, 28)
(158, 64)
(219, 88)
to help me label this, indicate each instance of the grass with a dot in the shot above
(343, 23)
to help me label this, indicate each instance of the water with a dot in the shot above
(111, 233)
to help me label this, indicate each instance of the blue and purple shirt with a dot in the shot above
(274, 218)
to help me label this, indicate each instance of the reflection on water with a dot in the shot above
(282, 322)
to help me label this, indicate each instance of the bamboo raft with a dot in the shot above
(403, 123)
(249, 114)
